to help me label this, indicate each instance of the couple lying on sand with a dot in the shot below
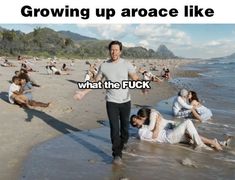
(153, 127)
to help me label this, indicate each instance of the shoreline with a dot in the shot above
(19, 137)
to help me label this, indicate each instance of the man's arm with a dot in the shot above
(157, 127)
(134, 76)
(81, 93)
(184, 104)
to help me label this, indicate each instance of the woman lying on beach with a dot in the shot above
(201, 113)
(153, 127)
(6, 63)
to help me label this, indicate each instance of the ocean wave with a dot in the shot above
(221, 62)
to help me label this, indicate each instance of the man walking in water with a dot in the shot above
(118, 101)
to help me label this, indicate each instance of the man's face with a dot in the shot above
(115, 52)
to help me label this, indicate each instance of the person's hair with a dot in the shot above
(16, 72)
(183, 93)
(145, 113)
(132, 120)
(194, 96)
(115, 43)
(14, 78)
(23, 71)
(24, 76)
(23, 65)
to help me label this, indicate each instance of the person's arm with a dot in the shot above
(196, 115)
(81, 93)
(134, 76)
(183, 103)
(152, 119)
(156, 129)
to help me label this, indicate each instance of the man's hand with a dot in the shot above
(79, 95)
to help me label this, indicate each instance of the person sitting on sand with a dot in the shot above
(29, 77)
(180, 107)
(27, 91)
(166, 73)
(148, 76)
(153, 127)
(15, 93)
(201, 113)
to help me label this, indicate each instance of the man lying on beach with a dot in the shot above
(153, 127)
(51, 69)
(6, 63)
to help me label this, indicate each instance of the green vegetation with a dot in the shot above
(45, 42)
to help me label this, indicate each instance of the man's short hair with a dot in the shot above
(115, 43)
(183, 93)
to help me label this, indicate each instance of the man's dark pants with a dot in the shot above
(118, 115)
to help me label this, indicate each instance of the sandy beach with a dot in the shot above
(65, 115)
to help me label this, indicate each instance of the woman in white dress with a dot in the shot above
(201, 113)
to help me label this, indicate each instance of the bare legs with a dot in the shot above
(38, 104)
(211, 142)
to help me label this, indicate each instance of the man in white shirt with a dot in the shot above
(181, 108)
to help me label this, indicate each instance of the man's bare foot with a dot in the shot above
(216, 145)
(226, 142)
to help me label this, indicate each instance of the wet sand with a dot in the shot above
(65, 115)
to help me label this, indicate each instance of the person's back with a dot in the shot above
(13, 87)
(27, 87)
(204, 113)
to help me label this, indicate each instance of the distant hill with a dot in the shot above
(164, 52)
(75, 36)
(46, 42)
(231, 56)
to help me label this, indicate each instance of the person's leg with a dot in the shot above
(211, 142)
(38, 104)
(184, 113)
(178, 133)
(113, 115)
(21, 100)
(125, 110)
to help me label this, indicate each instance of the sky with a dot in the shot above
(185, 40)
